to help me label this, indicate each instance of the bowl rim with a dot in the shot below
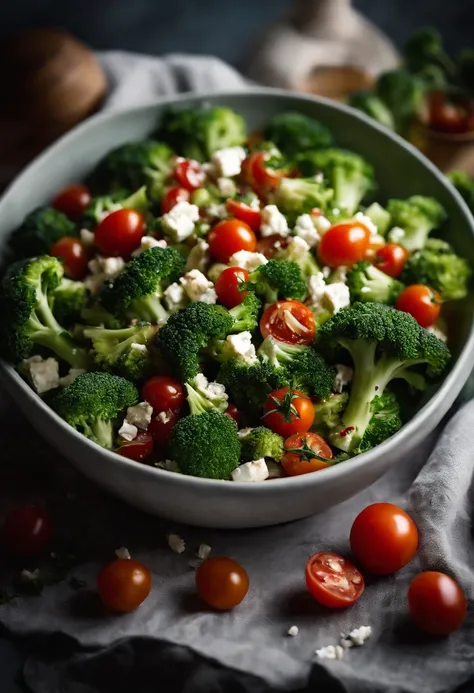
(463, 364)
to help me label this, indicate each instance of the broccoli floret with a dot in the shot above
(379, 216)
(304, 259)
(276, 279)
(423, 49)
(294, 133)
(68, 301)
(93, 403)
(39, 231)
(367, 283)
(197, 133)
(384, 344)
(28, 319)
(438, 266)
(348, 174)
(249, 384)
(136, 292)
(299, 195)
(328, 412)
(417, 216)
(96, 315)
(121, 351)
(261, 442)
(246, 314)
(464, 185)
(206, 445)
(121, 199)
(204, 396)
(403, 94)
(370, 104)
(384, 422)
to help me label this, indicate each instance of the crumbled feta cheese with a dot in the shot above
(274, 470)
(215, 392)
(218, 211)
(128, 431)
(204, 551)
(148, 242)
(138, 347)
(316, 288)
(228, 161)
(336, 296)
(247, 260)
(319, 177)
(305, 228)
(293, 631)
(71, 376)
(367, 222)
(164, 416)
(330, 652)
(44, 373)
(254, 203)
(87, 237)
(343, 377)
(227, 187)
(198, 287)
(176, 543)
(140, 415)
(179, 221)
(174, 297)
(321, 223)
(108, 266)
(251, 471)
(438, 332)
(30, 575)
(210, 170)
(273, 222)
(194, 563)
(243, 433)
(123, 552)
(172, 466)
(296, 248)
(199, 257)
(339, 274)
(241, 347)
(326, 272)
(396, 235)
(356, 637)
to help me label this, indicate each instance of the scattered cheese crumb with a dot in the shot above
(123, 552)
(241, 347)
(218, 211)
(357, 637)
(87, 237)
(174, 297)
(396, 235)
(227, 187)
(274, 470)
(228, 161)
(44, 373)
(330, 652)
(243, 433)
(367, 222)
(30, 575)
(305, 228)
(138, 347)
(273, 222)
(296, 249)
(176, 543)
(256, 470)
(199, 257)
(336, 296)
(247, 260)
(293, 631)
(179, 221)
(204, 551)
(164, 416)
(198, 287)
(140, 415)
(343, 377)
(127, 431)
(148, 242)
(74, 373)
(438, 332)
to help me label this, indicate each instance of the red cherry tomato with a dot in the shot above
(306, 453)
(333, 580)
(27, 530)
(422, 302)
(72, 201)
(383, 538)
(227, 286)
(221, 582)
(189, 174)
(270, 245)
(123, 585)
(265, 178)
(344, 244)
(447, 116)
(171, 198)
(436, 602)
(228, 237)
(164, 392)
(391, 259)
(160, 427)
(288, 321)
(233, 412)
(119, 233)
(139, 448)
(288, 412)
(74, 256)
(241, 211)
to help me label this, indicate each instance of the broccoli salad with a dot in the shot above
(229, 305)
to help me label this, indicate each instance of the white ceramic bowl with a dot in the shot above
(400, 170)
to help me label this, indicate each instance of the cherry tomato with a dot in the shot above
(436, 602)
(265, 178)
(383, 538)
(245, 213)
(288, 412)
(227, 286)
(391, 259)
(189, 174)
(344, 244)
(137, 449)
(74, 255)
(72, 201)
(171, 198)
(164, 392)
(422, 302)
(288, 321)
(160, 427)
(333, 580)
(303, 454)
(447, 116)
(123, 585)
(221, 582)
(228, 237)
(270, 245)
(119, 233)
(27, 530)
(233, 412)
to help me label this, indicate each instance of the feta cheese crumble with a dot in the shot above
(102, 269)
(204, 551)
(215, 392)
(343, 377)
(140, 415)
(247, 260)
(138, 347)
(148, 242)
(179, 221)
(44, 373)
(330, 652)
(174, 297)
(123, 553)
(219, 211)
(367, 222)
(316, 288)
(227, 187)
(198, 287)
(336, 296)
(87, 237)
(356, 638)
(321, 223)
(128, 431)
(396, 235)
(199, 257)
(305, 228)
(164, 416)
(74, 373)
(251, 471)
(243, 433)
(273, 222)
(293, 631)
(296, 248)
(274, 470)
(240, 347)
(228, 161)
(30, 575)
(176, 543)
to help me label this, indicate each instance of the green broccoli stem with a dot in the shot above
(347, 193)
(50, 334)
(148, 308)
(102, 432)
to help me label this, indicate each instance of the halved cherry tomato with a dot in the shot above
(27, 530)
(221, 582)
(288, 321)
(383, 538)
(264, 177)
(233, 412)
(288, 412)
(228, 237)
(391, 259)
(422, 302)
(333, 580)
(227, 286)
(244, 212)
(119, 233)
(123, 585)
(74, 256)
(304, 453)
(189, 174)
(437, 603)
(72, 201)
(161, 426)
(171, 198)
(270, 245)
(344, 244)
(163, 392)
(137, 449)
(448, 116)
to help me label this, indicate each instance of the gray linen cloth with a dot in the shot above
(172, 643)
